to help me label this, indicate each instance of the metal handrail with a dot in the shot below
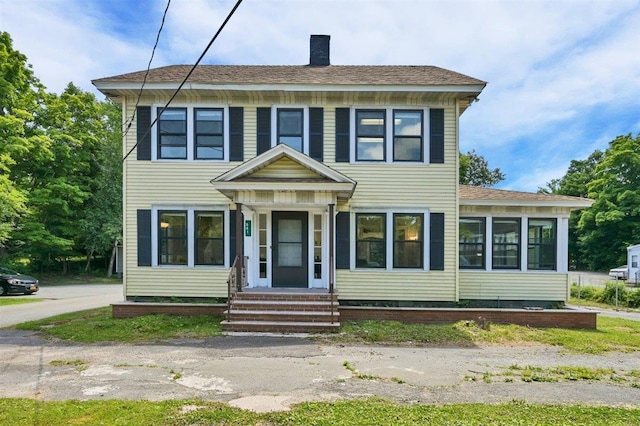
(231, 284)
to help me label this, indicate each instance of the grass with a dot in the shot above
(55, 279)
(612, 334)
(19, 412)
(6, 301)
(97, 325)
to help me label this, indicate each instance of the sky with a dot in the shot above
(563, 76)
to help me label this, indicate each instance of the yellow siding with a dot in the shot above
(513, 286)
(415, 286)
(425, 186)
(286, 168)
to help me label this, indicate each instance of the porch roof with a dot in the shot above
(311, 175)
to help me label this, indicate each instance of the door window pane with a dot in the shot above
(370, 241)
(290, 242)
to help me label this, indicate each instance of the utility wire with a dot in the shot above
(129, 122)
(213, 39)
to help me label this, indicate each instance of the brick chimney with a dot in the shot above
(319, 50)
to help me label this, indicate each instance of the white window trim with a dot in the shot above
(190, 209)
(389, 134)
(389, 212)
(190, 132)
(562, 244)
(305, 124)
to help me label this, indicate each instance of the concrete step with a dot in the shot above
(306, 297)
(283, 305)
(281, 316)
(280, 326)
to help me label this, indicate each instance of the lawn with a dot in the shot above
(612, 334)
(6, 301)
(18, 412)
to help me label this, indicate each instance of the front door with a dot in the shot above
(290, 249)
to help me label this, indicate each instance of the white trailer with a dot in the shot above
(633, 264)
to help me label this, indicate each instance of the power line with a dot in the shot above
(129, 122)
(213, 39)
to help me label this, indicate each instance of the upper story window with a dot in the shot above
(407, 135)
(541, 252)
(290, 128)
(172, 133)
(370, 135)
(209, 133)
(191, 133)
(506, 243)
(389, 135)
(472, 242)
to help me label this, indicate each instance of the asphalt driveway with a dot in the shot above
(272, 372)
(61, 299)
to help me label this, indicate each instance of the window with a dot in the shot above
(209, 133)
(189, 237)
(634, 261)
(407, 240)
(209, 238)
(370, 135)
(506, 243)
(291, 128)
(407, 135)
(172, 133)
(172, 238)
(541, 252)
(371, 240)
(472, 242)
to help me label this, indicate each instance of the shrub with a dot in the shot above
(609, 294)
(633, 298)
(588, 293)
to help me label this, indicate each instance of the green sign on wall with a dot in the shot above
(247, 228)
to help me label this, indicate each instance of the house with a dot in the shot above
(328, 184)
(633, 271)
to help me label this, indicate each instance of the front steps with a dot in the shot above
(282, 312)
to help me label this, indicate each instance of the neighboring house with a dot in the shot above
(346, 178)
(633, 262)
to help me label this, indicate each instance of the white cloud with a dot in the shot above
(562, 74)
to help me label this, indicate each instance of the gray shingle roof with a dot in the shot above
(301, 74)
(477, 193)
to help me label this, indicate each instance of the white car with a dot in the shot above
(620, 272)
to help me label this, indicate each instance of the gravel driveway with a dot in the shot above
(272, 372)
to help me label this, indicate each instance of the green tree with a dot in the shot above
(20, 93)
(474, 170)
(613, 222)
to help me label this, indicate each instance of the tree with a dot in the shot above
(612, 223)
(474, 170)
(20, 92)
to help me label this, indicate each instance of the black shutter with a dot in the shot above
(343, 246)
(232, 236)
(144, 237)
(316, 133)
(436, 136)
(342, 135)
(437, 242)
(143, 115)
(264, 130)
(236, 134)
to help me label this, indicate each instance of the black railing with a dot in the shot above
(235, 283)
